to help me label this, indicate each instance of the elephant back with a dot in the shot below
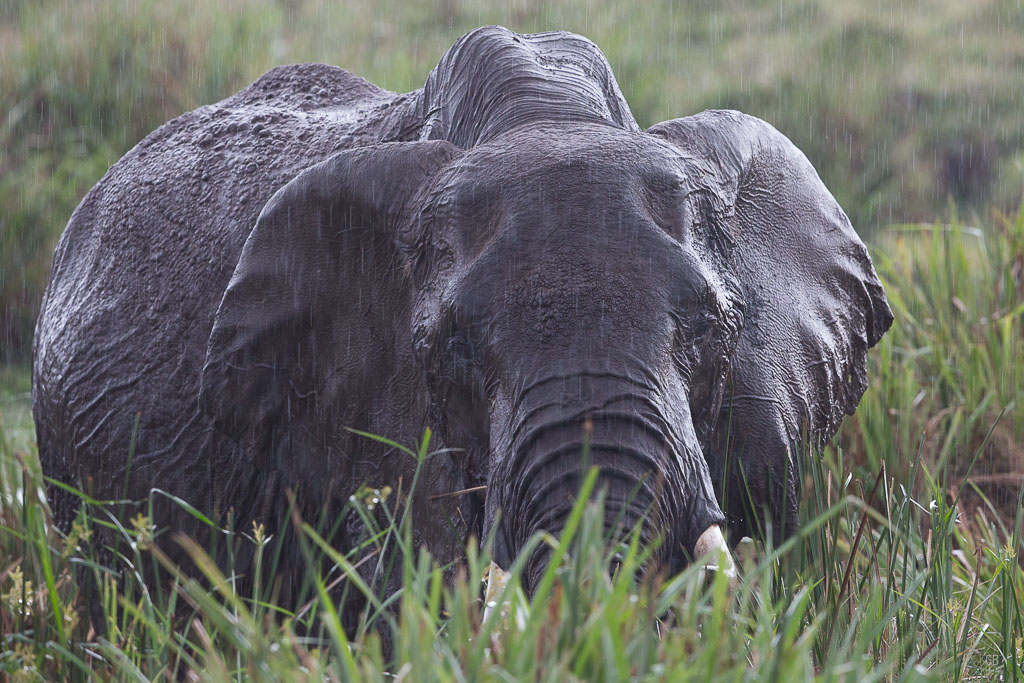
(143, 263)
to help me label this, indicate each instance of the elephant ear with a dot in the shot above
(320, 276)
(813, 305)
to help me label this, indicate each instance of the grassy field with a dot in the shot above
(909, 561)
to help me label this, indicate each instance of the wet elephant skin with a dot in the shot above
(503, 255)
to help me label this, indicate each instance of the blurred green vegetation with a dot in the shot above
(902, 107)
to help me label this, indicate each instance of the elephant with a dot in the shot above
(504, 256)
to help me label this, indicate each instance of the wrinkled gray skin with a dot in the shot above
(502, 254)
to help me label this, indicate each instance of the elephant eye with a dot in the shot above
(464, 393)
(457, 346)
(459, 356)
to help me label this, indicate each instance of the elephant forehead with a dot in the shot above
(587, 181)
(493, 80)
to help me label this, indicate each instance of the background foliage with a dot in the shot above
(912, 112)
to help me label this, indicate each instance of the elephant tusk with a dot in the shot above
(712, 546)
(496, 578)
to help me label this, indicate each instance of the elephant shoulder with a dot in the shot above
(324, 107)
(317, 88)
(208, 172)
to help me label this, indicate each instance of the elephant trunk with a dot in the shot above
(650, 466)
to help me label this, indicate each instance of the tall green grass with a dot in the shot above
(948, 378)
(907, 565)
(860, 593)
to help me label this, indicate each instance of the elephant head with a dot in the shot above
(529, 270)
